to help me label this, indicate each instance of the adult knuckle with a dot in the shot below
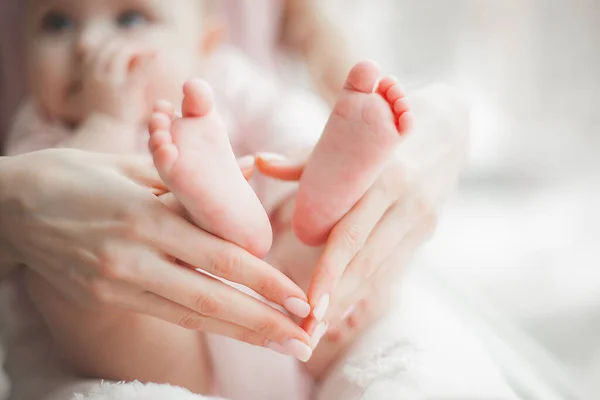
(350, 235)
(328, 272)
(135, 223)
(251, 337)
(207, 305)
(266, 328)
(267, 286)
(114, 265)
(365, 264)
(226, 263)
(127, 270)
(100, 293)
(192, 320)
(108, 258)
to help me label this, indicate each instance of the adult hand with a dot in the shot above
(396, 214)
(93, 226)
(390, 221)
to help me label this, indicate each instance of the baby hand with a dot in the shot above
(115, 82)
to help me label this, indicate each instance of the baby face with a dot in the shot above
(63, 35)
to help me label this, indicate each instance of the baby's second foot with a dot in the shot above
(194, 158)
(363, 130)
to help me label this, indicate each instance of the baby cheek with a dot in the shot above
(49, 78)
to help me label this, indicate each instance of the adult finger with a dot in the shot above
(386, 273)
(279, 167)
(151, 304)
(391, 230)
(212, 298)
(345, 240)
(141, 170)
(125, 296)
(407, 217)
(180, 239)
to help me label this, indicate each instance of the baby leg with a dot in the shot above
(194, 158)
(109, 343)
(363, 130)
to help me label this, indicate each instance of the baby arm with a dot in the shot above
(115, 96)
(114, 110)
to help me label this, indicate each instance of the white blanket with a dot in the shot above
(443, 360)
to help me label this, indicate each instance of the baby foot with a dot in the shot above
(194, 158)
(363, 130)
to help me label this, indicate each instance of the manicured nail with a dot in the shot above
(298, 307)
(318, 334)
(246, 162)
(271, 157)
(349, 311)
(298, 349)
(292, 347)
(321, 308)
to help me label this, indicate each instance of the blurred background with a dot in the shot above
(520, 240)
(518, 244)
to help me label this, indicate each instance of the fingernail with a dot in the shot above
(246, 162)
(349, 311)
(271, 157)
(292, 347)
(321, 308)
(320, 331)
(298, 307)
(298, 349)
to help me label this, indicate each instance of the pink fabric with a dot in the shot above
(253, 26)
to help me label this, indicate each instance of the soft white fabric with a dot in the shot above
(139, 391)
(423, 349)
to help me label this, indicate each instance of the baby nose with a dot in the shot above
(88, 41)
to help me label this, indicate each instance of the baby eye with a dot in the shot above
(56, 22)
(131, 19)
